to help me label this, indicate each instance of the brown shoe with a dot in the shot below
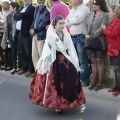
(18, 69)
(27, 74)
(20, 72)
(98, 87)
(91, 86)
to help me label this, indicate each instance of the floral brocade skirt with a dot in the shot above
(60, 89)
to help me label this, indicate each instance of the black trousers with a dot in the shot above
(25, 45)
(2, 57)
(8, 58)
(16, 52)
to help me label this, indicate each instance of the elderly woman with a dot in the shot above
(112, 32)
(93, 30)
(4, 44)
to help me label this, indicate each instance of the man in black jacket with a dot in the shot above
(38, 30)
(24, 18)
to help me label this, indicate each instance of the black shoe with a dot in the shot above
(8, 69)
(13, 71)
(58, 111)
(2, 68)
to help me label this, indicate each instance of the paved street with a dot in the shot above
(15, 105)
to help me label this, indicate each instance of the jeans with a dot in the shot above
(83, 59)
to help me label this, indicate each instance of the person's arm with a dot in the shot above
(80, 17)
(99, 31)
(114, 33)
(44, 23)
(67, 22)
(7, 28)
(35, 14)
(26, 15)
(85, 30)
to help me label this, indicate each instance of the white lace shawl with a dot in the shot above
(51, 46)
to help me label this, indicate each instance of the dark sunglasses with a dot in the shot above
(95, 4)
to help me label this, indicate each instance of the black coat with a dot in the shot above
(27, 19)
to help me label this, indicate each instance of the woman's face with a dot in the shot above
(74, 2)
(60, 25)
(96, 6)
(51, 3)
(112, 14)
(11, 9)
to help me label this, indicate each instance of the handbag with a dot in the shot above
(93, 44)
(113, 50)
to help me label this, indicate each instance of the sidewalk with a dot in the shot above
(101, 93)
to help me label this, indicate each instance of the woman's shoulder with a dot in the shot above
(116, 22)
(51, 37)
(92, 13)
(105, 13)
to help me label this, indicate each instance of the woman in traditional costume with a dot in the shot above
(56, 82)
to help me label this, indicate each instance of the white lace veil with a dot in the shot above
(49, 49)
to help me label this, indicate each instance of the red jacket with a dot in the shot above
(112, 33)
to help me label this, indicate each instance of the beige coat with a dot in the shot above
(94, 26)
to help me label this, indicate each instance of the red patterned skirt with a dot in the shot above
(61, 89)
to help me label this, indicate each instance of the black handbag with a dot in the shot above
(93, 44)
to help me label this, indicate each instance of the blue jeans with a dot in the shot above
(83, 59)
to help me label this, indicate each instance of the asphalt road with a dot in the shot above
(15, 105)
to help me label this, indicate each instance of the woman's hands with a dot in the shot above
(103, 26)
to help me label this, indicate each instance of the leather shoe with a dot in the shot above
(116, 93)
(13, 71)
(98, 87)
(91, 86)
(27, 74)
(8, 69)
(20, 72)
(112, 90)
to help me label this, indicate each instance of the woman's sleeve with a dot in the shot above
(115, 32)
(99, 31)
(86, 27)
